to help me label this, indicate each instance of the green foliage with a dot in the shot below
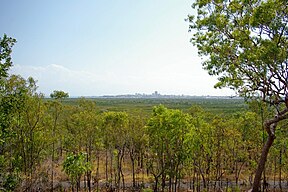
(75, 166)
(167, 130)
(171, 144)
(246, 44)
(83, 127)
(23, 143)
(115, 125)
(168, 142)
(144, 107)
(58, 95)
(6, 44)
(11, 181)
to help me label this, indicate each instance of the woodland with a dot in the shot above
(59, 144)
(47, 142)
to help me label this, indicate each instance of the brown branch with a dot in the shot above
(278, 117)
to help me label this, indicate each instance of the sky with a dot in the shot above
(106, 47)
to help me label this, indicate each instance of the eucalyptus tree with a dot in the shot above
(29, 141)
(83, 134)
(6, 44)
(235, 150)
(75, 166)
(167, 131)
(87, 122)
(115, 129)
(203, 150)
(136, 144)
(245, 44)
(59, 95)
(253, 138)
(56, 109)
(279, 156)
(11, 104)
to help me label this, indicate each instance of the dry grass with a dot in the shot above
(44, 172)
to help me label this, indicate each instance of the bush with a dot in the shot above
(11, 181)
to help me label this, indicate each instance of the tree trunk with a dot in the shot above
(156, 184)
(270, 127)
(280, 169)
(262, 161)
(118, 174)
(89, 180)
(97, 172)
(120, 168)
(52, 165)
(88, 159)
(133, 169)
(106, 167)
(163, 184)
(170, 184)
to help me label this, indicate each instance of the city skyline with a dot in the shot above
(98, 48)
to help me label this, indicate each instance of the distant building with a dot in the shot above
(156, 94)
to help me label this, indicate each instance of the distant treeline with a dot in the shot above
(219, 105)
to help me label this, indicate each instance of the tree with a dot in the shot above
(167, 130)
(115, 139)
(12, 101)
(85, 121)
(6, 44)
(75, 166)
(203, 146)
(56, 108)
(6, 111)
(136, 143)
(59, 95)
(26, 147)
(245, 44)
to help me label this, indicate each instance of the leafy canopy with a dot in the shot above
(75, 165)
(59, 95)
(244, 43)
(6, 44)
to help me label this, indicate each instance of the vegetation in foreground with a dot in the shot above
(245, 45)
(47, 143)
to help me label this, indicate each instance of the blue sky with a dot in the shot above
(102, 47)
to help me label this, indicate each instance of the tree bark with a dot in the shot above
(270, 127)
(280, 169)
(262, 161)
(156, 184)
(133, 168)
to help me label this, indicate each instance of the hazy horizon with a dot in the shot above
(94, 48)
(145, 94)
